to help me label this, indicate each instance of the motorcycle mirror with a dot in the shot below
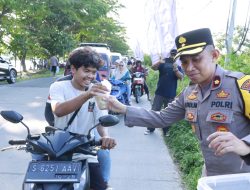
(105, 121)
(12, 116)
(108, 120)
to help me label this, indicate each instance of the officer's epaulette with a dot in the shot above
(234, 74)
(243, 84)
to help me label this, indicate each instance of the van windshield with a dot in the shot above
(114, 58)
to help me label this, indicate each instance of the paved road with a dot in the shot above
(139, 162)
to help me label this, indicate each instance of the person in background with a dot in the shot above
(130, 66)
(169, 73)
(123, 74)
(114, 68)
(211, 103)
(139, 68)
(54, 64)
(78, 93)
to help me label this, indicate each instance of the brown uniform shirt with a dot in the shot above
(220, 108)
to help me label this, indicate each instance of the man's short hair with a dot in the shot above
(85, 56)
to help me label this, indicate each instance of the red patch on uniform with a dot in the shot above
(222, 94)
(222, 129)
(218, 117)
(246, 85)
(216, 81)
(49, 97)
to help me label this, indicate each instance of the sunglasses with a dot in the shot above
(120, 65)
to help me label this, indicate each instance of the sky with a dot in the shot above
(191, 14)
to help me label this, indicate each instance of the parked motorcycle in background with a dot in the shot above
(138, 85)
(57, 170)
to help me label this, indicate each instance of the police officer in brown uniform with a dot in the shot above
(211, 104)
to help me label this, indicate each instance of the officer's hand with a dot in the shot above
(114, 105)
(224, 142)
(108, 142)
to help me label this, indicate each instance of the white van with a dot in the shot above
(115, 56)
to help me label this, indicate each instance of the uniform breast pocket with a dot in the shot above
(220, 120)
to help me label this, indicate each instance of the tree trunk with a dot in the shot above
(23, 57)
(23, 64)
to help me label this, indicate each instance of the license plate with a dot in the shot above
(53, 171)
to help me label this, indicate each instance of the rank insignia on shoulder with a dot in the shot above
(222, 129)
(222, 94)
(218, 117)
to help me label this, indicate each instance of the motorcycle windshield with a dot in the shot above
(60, 142)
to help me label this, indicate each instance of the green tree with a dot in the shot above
(40, 28)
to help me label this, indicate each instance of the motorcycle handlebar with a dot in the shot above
(97, 143)
(17, 142)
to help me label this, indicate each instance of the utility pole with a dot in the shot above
(230, 30)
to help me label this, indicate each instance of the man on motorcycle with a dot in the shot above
(139, 68)
(76, 96)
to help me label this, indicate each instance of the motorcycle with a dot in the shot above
(138, 85)
(57, 170)
(119, 90)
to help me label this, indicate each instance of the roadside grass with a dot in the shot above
(185, 150)
(22, 76)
